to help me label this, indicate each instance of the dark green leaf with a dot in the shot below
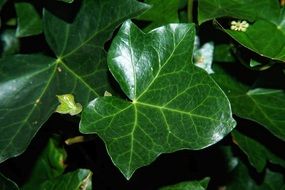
(257, 153)
(191, 185)
(242, 9)
(10, 43)
(7, 184)
(223, 53)
(256, 39)
(2, 2)
(50, 164)
(162, 12)
(67, 1)
(265, 106)
(29, 22)
(174, 105)
(27, 99)
(80, 179)
(241, 179)
(29, 84)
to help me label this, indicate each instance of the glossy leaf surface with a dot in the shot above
(265, 106)
(191, 185)
(27, 99)
(29, 21)
(7, 184)
(242, 9)
(76, 180)
(10, 43)
(174, 105)
(257, 153)
(265, 18)
(29, 83)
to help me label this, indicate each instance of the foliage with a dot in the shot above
(181, 76)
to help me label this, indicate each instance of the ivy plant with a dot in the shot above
(92, 88)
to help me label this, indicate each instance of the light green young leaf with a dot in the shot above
(203, 57)
(29, 21)
(173, 104)
(189, 185)
(68, 105)
(7, 184)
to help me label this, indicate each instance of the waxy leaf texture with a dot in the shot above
(171, 103)
(29, 83)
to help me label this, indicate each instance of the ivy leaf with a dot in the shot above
(265, 16)
(27, 99)
(68, 105)
(155, 72)
(7, 184)
(76, 180)
(241, 179)
(264, 106)
(191, 185)
(49, 165)
(257, 153)
(29, 83)
(256, 39)
(162, 12)
(29, 22)
(242, 9)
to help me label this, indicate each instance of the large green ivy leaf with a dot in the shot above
(265, 106)
(189, 185)
(243, 9)
(29, 22)
(172, 104)
(80, 179)
(257, 153)
(7, 184)
(49, 165)
(29, 83)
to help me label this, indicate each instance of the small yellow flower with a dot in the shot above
(239, 25)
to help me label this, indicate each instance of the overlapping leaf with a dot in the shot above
(257, 153)
(162, 12)
(242, 9)
(7, 184)
(265, 17)
(49, 165)
(241, 179)
(265, 106)
(76, 180)
(173, 104)
(29, 84)
(29, 22)
(191, 185)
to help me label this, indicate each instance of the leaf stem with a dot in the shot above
(190, 10)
